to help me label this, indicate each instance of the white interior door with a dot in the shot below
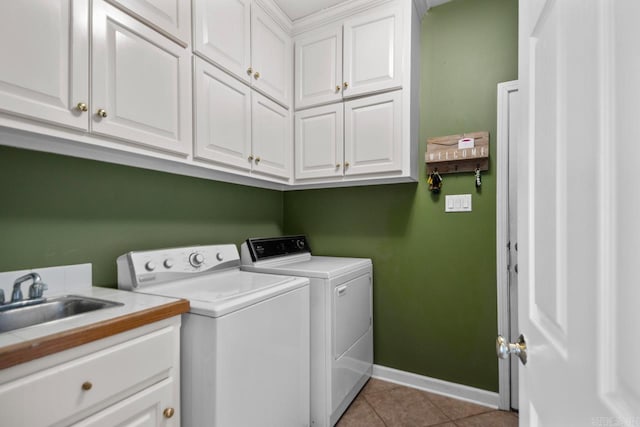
(578, 206)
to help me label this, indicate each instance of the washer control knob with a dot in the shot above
(150, 266)
(168, 263)
(196, 259)
(300, 244)
(219, 256)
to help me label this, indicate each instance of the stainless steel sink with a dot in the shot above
(37, 311)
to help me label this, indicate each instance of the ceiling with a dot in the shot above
(297, 9)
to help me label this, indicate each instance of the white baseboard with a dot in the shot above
(433, 385)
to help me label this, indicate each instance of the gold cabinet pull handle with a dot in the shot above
(346, 164)
(249, 70)
(256, 75)
(102, 113)
(86, 386)
(250, 157)
(82, 106)
(257, 159)
(337, 88)
(345, 84)
(168, 412)
(337, 165)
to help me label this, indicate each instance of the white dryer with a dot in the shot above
(245, 341)
(341, 317)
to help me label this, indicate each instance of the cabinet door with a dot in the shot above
(319, 140)
(271, 57)
(170, 16)
(373, 52)
(44, 46)
(373, 134)
(141, 80)
(222, 31)
(318, 68)
(223, 117)
(144, 409)
(271, 137)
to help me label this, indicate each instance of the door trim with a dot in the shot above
(502, 235)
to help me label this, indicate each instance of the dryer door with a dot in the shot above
(351, 313)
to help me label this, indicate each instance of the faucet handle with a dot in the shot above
(37, 289)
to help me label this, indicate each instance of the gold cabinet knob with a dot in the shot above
(168, 412)
(346, 164)
(250, 157)
(257, 159)
(337, 88)
(337, 165)
(82, 106)
(87, 385)
(249, 71)
(102, 113)
(256, 75)
(345, 84)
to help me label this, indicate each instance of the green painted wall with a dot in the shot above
(435, 279)
(57, 210)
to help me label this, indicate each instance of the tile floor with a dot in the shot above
(384, 404)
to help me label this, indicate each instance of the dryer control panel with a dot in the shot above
(144, 268)
(264, 248)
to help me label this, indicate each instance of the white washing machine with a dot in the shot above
(341, 318)
(244, 342)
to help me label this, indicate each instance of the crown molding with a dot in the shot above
(422, 6)
(334, 13)
(274, 11)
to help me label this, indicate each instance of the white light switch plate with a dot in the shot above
(458, 203)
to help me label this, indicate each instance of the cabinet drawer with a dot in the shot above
(87, 384)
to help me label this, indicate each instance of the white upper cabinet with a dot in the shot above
(271, 57)
(223, 117)
(240, 37)
(319, 137)
(272, 144)
(237, 127)
(373, 134)
(373, 52)
(222, 34)
(141, 84)
(318, 68)
(172, 17)
(44, 45)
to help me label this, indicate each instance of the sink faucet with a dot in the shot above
(35, 290)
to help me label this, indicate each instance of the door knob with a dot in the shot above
(505, 348)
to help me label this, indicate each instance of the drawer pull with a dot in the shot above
(168, 412)
(87, 385)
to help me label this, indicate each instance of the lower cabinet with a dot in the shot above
(237, 127)
(359, 137)
(128, 379)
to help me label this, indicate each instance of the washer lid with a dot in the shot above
(224, 292)
(315, 266)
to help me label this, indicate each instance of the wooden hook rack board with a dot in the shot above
(444, 155)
